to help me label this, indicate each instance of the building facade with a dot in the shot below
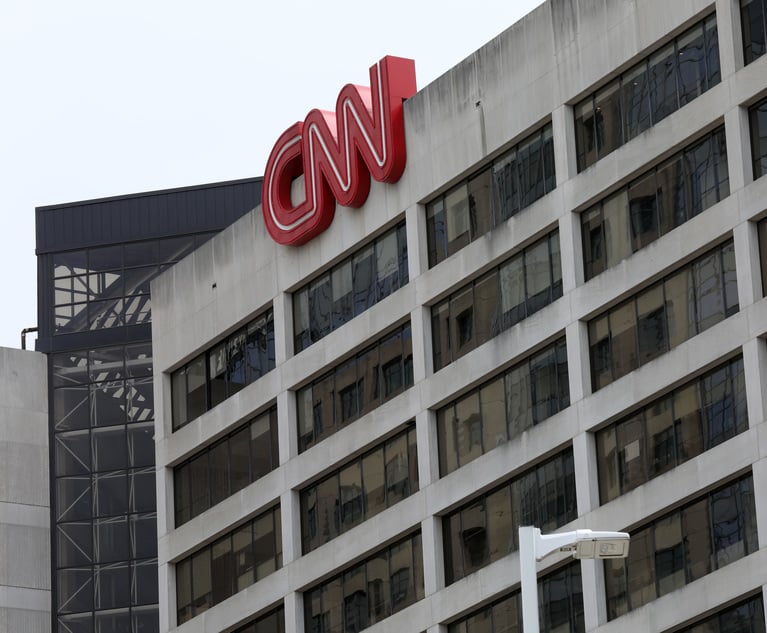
(555, 317)
(95, 261)
(25, 582)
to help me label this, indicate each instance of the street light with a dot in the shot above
(534, 546)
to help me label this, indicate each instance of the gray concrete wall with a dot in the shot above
(531, 73)
(25, 564)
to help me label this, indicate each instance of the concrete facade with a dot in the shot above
(531, 73)
(25, 563)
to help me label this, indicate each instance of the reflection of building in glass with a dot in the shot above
(96, 260)
(556, 317)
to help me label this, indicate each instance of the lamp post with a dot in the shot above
(534, 546)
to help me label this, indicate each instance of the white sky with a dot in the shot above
(108, 97)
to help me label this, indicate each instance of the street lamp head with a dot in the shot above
(535, 546)
(582, 543)
(602, 545)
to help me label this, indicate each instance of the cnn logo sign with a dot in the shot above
(337, 153)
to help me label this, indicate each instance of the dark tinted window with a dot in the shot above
(753, 15)
(471, 209)
(225, 467)
(503, 407)
(682, 546)
(486, 528)
(223, 370)
(355, 387)
(647, 93)
(672, 429)
(359, 490)
(758, 120)
(655, 203)
(487, 306)
(664, 315)
(228, 565)
(357, 283)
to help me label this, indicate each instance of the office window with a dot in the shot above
(753, 22)
(655, 203)
(486, 528)
(762, 231)
(672, 429)
(352, 286)
(223, 370)
(560, 600)
(682, 546)
(474, 207)
(273, 622)
(664, 315)
(758, 118)
(482, 309)
(355, 387)
(647, 93)
(359, 490)
(226, 467)
(745, 617)
(384, 583)
(234, 561)
(503, 407)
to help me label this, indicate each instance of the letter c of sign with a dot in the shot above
(337, 153)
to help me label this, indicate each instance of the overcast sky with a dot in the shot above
(106, 97)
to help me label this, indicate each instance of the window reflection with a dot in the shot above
(655, 203)
(666, 314)
(650, 91)
(758, 121)
(473, 208)
(384, 583)
(718, 529)
(485, 529)
(745, 617)
(753, 14)
(504, 407)
(233, 562)
(355, 387)
(356, 284)
(359, 490)
(223, 370)
(227, 466)
(481, 310)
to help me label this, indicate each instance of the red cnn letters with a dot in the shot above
(338, 152)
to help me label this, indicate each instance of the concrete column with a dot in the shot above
(747, 263)
(571, 248)
(594, 603)
(287, 425)
(738, 148)
(563, 127)
(760, 497)
(294, 612)
(755, 366)
(166, 578)
(578, 365)
(283, 327)
(417, 249)
(586, 480)
(420, 324)
(433, 555)
(165, 500)
(730, 36)
(428, 453)
(290, 511)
